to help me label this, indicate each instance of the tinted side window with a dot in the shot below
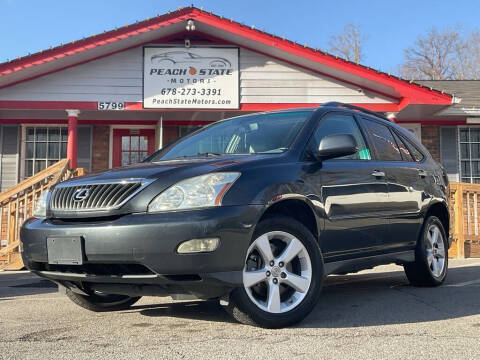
(385, 144)
(416, 154)
(404, 151)
(333, 124)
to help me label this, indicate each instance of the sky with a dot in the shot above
(27, 26)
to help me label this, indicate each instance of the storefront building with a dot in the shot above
(111, 99)
(454, 132)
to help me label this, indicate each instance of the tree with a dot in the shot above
(348, 44)
(467, 64)
(442, 55)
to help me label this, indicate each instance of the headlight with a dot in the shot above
(197, 192)
(40, 210)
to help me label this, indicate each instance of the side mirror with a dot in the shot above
(334, 146)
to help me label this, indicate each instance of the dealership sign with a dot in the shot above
(178, 77)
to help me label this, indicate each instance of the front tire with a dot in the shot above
(102, 302)
(282, 278)
(431, 255)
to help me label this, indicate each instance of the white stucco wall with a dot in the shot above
(119, 78)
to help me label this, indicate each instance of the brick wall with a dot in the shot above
(100, 147)
(431, 140)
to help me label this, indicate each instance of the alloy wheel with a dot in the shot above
(278, 272)
(435, 250)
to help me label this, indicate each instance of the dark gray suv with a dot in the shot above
(254, 211)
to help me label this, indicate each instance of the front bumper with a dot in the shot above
(148, 240)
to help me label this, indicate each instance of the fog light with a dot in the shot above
(198, 245)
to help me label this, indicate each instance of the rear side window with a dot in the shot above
(404, 151)
(383, 140)
(416, 154)
(337, 123)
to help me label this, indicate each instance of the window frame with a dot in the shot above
(311, 140)
(402, 142)
(393, 132)
(138, 151)
(410, 144)
(471, 178)
(23, 149)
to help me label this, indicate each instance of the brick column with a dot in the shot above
(72, 137)
(100, 147)
(431, 140)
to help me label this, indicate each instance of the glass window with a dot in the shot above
(404, 151)
(333, 124)
(187, 129)
(387, 148)
(251, 134)
(469, 154)
(134, 148)
(416, 154)
(44, 146)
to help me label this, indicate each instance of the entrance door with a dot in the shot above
(132, 146)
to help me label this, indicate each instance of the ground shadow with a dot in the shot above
(195, 310)
(388, 298)
(12, 285)
(363, 300)
(356, 300)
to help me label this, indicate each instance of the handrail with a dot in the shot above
(5, 250)
(27, 183)
(18, 202)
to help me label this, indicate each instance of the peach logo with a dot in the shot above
(192, 70)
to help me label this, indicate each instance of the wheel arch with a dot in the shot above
(297, 208)
(440, 210)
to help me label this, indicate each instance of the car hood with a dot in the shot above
(157, 170)
(154, 177)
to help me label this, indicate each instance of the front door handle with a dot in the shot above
(378, 174)
(422, 173)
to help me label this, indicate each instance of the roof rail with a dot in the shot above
(353, 107)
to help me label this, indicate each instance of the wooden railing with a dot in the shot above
(17, 204)
(464, 203)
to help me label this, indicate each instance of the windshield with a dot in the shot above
(251, 134)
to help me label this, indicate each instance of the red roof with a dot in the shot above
(409, 91)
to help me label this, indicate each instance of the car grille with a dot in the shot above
(100, 196)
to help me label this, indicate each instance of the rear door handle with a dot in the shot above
(422, 173)
(378, 174)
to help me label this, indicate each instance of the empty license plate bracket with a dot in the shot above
(65, 250)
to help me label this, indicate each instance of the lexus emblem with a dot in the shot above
(81, 194)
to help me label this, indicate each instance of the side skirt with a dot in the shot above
(358, 264)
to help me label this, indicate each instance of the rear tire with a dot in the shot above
(431, 255)
(101, 303)
(296, 282)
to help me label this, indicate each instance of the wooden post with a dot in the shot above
(16, 226)
(9, 216)
(459, 226)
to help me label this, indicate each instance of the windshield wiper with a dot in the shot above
(209, 154)
(191, 156)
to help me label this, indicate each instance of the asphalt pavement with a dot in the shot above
(374, 314)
